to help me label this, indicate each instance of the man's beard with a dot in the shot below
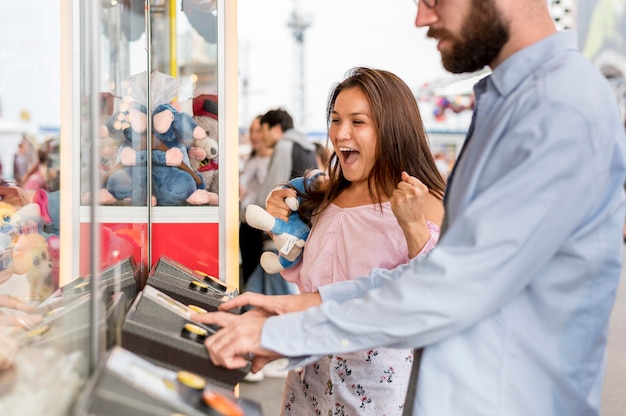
(483, 35)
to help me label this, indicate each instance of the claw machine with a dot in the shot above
(167, 137)
(142, 98)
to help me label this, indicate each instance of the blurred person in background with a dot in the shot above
(251, 178)
(20, 162)
(322, 155)
(292, 156)
(37, 175)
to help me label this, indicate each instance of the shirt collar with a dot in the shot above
(510, 73)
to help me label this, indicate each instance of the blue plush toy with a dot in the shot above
(289, 236)
(174, 182)
(177, 131)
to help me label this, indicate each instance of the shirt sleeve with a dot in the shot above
(483, 254)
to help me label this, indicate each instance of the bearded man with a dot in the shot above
(511, 308)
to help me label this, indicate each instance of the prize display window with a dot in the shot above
(163, 155)
(147, 190)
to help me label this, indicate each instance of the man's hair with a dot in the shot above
(278, 117)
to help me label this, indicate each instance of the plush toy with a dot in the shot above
(127, 178)
(54, 250)
(7, 240)
(23, 245)
(177, 131)
(289, 236)
(14, 222)
(6, 257)
(7, 211)
(17, 238)
(31, 253)
(206, 161)
(173, 133)
(13, 195)
(202, 17)
(114, 133)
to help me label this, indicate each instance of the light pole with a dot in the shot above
(299, 23)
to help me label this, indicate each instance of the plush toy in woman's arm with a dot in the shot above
(289, 236)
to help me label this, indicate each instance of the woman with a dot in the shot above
(37, 175)
(381, 206)
(252, 177)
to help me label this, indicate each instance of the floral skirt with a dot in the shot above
(360, 383)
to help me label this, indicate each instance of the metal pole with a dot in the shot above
(92, 53)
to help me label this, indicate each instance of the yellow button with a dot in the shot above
(191, 380)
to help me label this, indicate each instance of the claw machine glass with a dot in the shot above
(167, 137)
(45, 337)
(158, 180)
(124, 107)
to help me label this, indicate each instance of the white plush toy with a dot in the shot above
(288, 236)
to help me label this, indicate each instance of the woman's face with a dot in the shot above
(353, 134)
(256, 137)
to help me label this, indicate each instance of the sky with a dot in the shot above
(343, 34)
(30, 61)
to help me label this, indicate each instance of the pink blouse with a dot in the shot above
(346, 243)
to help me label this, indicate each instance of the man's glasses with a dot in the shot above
(431, 4)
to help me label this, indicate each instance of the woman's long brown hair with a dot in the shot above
(402, 143)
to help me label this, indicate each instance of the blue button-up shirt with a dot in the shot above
(513, 304)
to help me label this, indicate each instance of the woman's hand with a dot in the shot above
(408, 202)
(273, 305)
(276, 205)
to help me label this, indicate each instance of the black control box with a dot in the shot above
(160, 328)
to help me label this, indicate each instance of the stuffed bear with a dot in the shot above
(24, 243)
(7, 240)
(7, 211)
(173, 180)
(115, 131)
(289, 236)
(206, 163)
(23, 251)
(6, 257)
(31, 253)
(25, 212)
(127, 178)
(13, 195)
(15, 222)
(173, 133)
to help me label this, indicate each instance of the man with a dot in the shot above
(512, 306)
(292, 154)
